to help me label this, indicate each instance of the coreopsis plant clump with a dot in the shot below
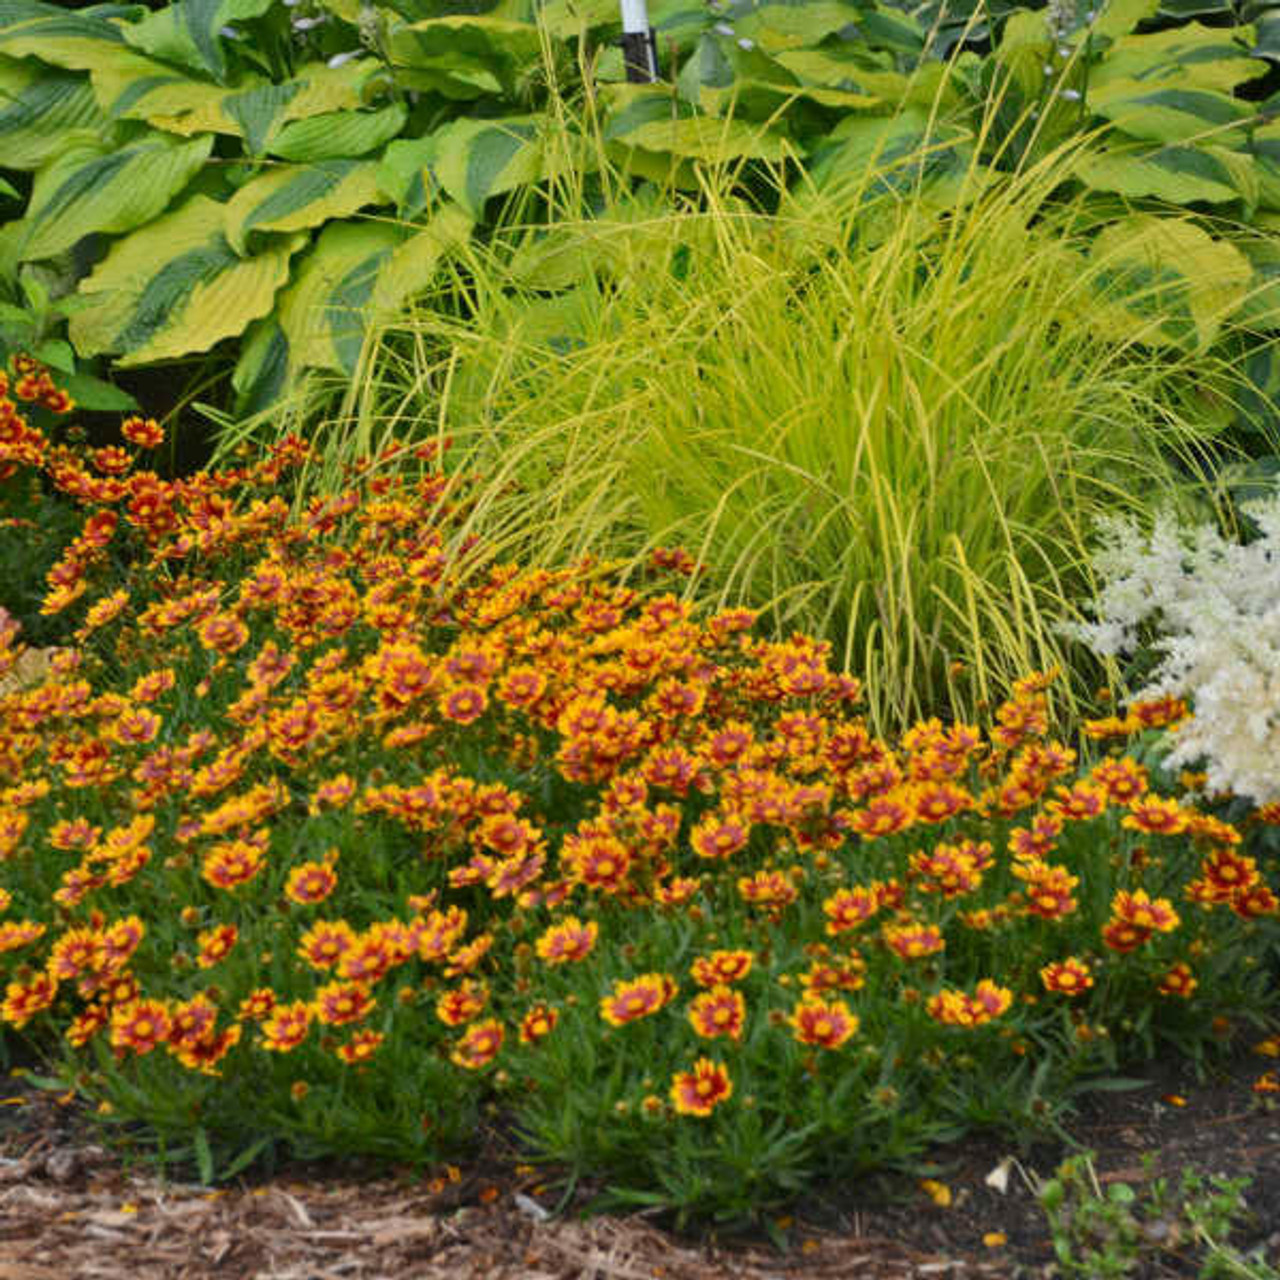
(330, 831)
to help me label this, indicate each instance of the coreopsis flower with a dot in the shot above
(846, 974)
(145, 433)
(1124, 780)
(439, 932)
(75, 834)
(286, 1026)
(1223, 874)
(947, 870)
(677, 891)
(722, 968)
(772, 890)
(826, 1024)
(326, 942)
(884, 815)
(257, 1004)
(1049, 889)
(191, 1020)
(1178, 981)
(338, 1003)
(479, 1045)
(1069, 977)
(86, 1024)
(361, 1047)
(119, 940)
(720, 835)
(310, 883)
(1254, 902)
(913, 940)
(460, 1005)
(566, 941)
(223, 633)
(1079, 802)
(204, 1054)
(1143, 912)
(23, 1000)
(721, 1011)
(700, 1091)
(598, 862)
(638, 997)
(960, 1009)
(538, 1023)
(1155, 815)
(139, 1026)
(937, 801)
(214, 945)
(232, 863)
(848, 908)
(464, 704)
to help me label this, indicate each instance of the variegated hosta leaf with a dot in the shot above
(42, 110)
(1169, 113)
(1264, 144)
(338, 133)
(132, 86)
(95, 187)
(177, 286)
(1178, 174)
(1187, 57)
(190, 33)
(645, 117)
(873, 155)
(566, 18)
(293, 197)
(1170, 273)
(55, 35)
(775, 27)
(356, 275)
(464, 56)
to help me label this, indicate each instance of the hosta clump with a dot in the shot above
(333, 831)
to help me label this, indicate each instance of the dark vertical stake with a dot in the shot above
(639, 44)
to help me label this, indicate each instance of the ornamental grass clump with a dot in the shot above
(327, 833)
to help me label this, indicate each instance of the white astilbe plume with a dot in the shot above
(1214, 607)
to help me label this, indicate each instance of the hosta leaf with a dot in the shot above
(339, 133)
(254, 109)
(900, 153)
(1172, 274)
(1267, 32)
(189, 33)
(1187, 57)
(1119, 17)
(566, 18)
(291, 197)
(324, 312)
(1260, 308)
(785, 26)
(464, 56)
(41, 111)
(1178, 174)
(355, 276)
(91, 187)
(1181, 10)
(130, 86)
(644, 116)
(1170, 113)
(475, 159)
(55, 35)
(177, 286)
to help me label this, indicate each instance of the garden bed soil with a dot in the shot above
(71, 1210)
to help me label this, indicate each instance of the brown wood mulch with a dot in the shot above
(73, 1215)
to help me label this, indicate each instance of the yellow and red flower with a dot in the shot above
(634, 998)
(1069, 977)
(700, 1091)
(826, 1024)
(569, 940)
(721, 968)
(721, 1011)
(479, 1045)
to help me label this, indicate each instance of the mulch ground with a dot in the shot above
(70, 1209)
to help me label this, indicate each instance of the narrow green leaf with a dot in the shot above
(204, 1156)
